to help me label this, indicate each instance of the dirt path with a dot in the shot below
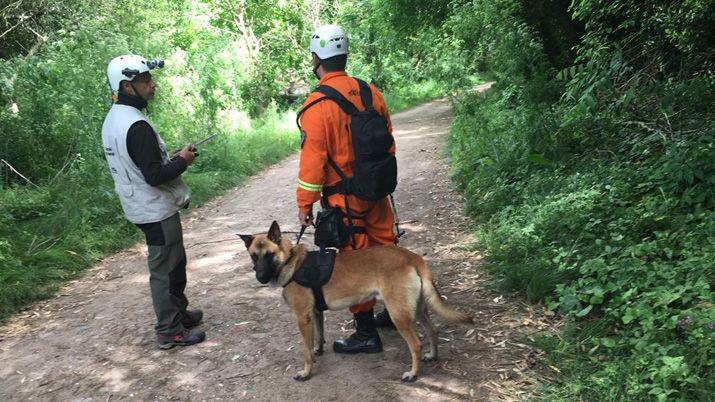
(94, 341)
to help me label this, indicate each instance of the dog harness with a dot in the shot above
(316, 270)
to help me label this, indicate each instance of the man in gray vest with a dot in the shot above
(148, 182)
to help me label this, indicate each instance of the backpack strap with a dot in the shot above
(335, 96)
(365, 93)
(344, 104)
(347, 106)
(341, 189)
(337, 169)
(300, 113)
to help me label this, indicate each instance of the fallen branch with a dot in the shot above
(18, 173)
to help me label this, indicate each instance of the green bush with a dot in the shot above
(594, 179)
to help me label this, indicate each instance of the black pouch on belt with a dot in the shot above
(330, 230)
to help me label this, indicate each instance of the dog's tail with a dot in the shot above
(434, 300)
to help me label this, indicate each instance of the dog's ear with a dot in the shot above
(248, 239)
(274, 233)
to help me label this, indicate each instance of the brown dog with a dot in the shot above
(400, 277)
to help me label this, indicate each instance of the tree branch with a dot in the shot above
(11, 29)
(18, 173)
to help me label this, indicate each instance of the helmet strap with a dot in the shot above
(136, 93)
(141, 103)
(317, 66)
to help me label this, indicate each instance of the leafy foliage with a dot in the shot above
(593, 174)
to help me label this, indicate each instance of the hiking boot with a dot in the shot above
(184, 338)
(191, 318)
(364, 340)
(383, 320)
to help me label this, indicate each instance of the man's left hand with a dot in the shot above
(305, 219)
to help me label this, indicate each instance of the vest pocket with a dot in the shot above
(178, 191)
(126, 190)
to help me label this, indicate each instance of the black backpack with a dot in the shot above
(375, 169)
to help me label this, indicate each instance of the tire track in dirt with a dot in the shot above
(95, 341)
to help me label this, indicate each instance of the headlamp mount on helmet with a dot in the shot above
(155, 64)
(132, 72)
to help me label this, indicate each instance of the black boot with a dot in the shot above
(364, 340)
(184, 338)
(383, 320)
(192, 318)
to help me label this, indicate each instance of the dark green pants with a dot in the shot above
(167, 272)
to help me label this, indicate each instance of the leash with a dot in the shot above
(302, 230)
(397, 218)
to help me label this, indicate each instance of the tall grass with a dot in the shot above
(620, 243)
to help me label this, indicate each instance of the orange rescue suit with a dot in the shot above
(325, 132)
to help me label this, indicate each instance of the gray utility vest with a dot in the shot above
(142, 203)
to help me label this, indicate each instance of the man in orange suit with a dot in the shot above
(326, 145)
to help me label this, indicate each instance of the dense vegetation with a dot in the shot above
(589, 164)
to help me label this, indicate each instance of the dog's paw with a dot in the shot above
(318, 352)
(302, 376)
(408, 377)
(428, 357)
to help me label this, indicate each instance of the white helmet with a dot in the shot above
(328, 41)
(127, 67)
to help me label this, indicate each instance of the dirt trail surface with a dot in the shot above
(95, 340)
